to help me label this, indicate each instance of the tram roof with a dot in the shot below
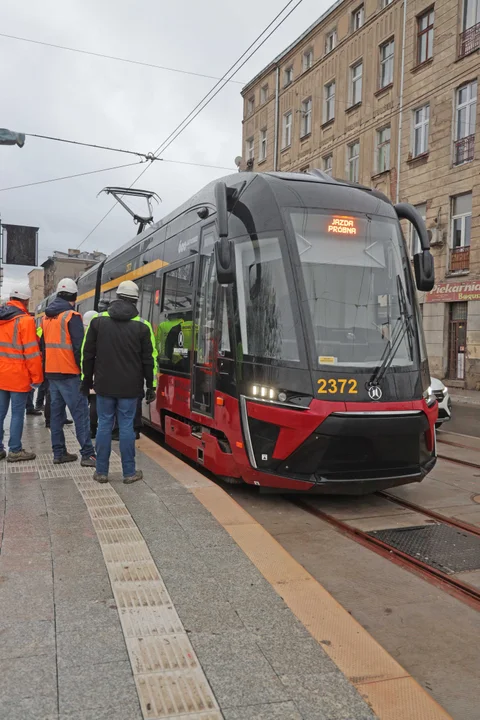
(206, 196)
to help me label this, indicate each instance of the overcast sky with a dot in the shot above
(54, 92)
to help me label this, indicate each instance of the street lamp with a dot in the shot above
(8, 137)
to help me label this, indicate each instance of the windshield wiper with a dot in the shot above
(403, 326)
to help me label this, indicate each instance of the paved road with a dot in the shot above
(465, 420)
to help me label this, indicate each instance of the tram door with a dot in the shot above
(203, 375)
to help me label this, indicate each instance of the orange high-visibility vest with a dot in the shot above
(20, 358)
(59, 356)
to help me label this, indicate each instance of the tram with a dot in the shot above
(290, 344)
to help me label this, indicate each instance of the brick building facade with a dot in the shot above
(384, 93)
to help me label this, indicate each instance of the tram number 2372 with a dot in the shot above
(335, 386)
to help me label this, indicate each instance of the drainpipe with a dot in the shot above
(400, 116)
(277, 107)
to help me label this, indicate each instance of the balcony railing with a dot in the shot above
(459, 259)
(469, 41)
(464, 150)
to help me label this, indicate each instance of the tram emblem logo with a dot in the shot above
(180, 339)
(375, 392)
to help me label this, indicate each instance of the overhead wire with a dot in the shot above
(146, 156)
(213, 92)
(115, 167)
(112, 57)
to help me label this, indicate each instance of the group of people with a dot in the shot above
(104, 360)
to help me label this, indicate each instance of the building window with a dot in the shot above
(328, 164)
(329, 107)
(288, 75)
(425, 36)
(386, 63)
(421, 122)
(353, 161)
(330, 41)
(307, 59)
(250, 105)
(461, 232)
(383, 149)
(358, 17)
(385, 3)
(306, 125)
(287, 129)
(264, 94)
(263, 144)
(414, 239)
(356, 72)
(250, 149)
(465, 115)
(470, 35)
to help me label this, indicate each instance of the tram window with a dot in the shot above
(175, 330)
(205, 312)
(266, 319)
(146, 294)
(157, 299)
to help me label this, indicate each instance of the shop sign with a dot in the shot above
(454, 292)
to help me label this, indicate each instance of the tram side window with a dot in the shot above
(157, 299)
(225, 336)
(146, 293)
(174, 333)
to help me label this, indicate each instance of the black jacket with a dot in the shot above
(119, 352)
(75, 328)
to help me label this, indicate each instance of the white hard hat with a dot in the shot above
(128, 289)
(67, 285)
(88, 317)
(22, 292)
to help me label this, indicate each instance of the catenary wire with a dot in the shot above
(146, 156)
(199, 107)
(113, 57)
(116, 167)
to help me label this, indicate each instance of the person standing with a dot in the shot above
(62, 336)
(20, 368)
(92, 398)
(118, 358)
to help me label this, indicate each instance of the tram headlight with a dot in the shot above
(265, 393)
(429, 397)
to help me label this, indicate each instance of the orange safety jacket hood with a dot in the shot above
(20, 358)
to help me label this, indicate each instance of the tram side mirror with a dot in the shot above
(423, 260)
(224, 250)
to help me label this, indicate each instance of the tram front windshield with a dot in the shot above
(358, 290)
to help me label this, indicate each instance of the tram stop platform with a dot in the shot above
(165, 599)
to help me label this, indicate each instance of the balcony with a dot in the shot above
(469, 41)
(460, 259)
(464, 150)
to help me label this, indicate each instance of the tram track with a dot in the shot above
(452, 585)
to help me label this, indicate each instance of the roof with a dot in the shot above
(285, 52)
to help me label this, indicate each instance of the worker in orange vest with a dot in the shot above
(20, 368)
(62, 340)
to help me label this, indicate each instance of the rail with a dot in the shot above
(469, 40)
(460, 259)
(464, 150)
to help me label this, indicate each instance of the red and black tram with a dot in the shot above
(290, 345)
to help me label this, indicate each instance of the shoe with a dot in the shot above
(133, 478)
(66, 457)
(40, 407)
(20, 455)
(98, 477)
(137, 435)
(33, 412)
(68, 422)
(88, 461)
(115, 435)
(3, 454)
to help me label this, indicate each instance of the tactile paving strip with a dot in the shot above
(170, 681)
(440, 546)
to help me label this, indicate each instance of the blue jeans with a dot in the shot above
(30, 405)
(124, 409)
(66, 392)
(19, 402)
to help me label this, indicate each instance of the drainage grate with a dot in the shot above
(439, 546)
